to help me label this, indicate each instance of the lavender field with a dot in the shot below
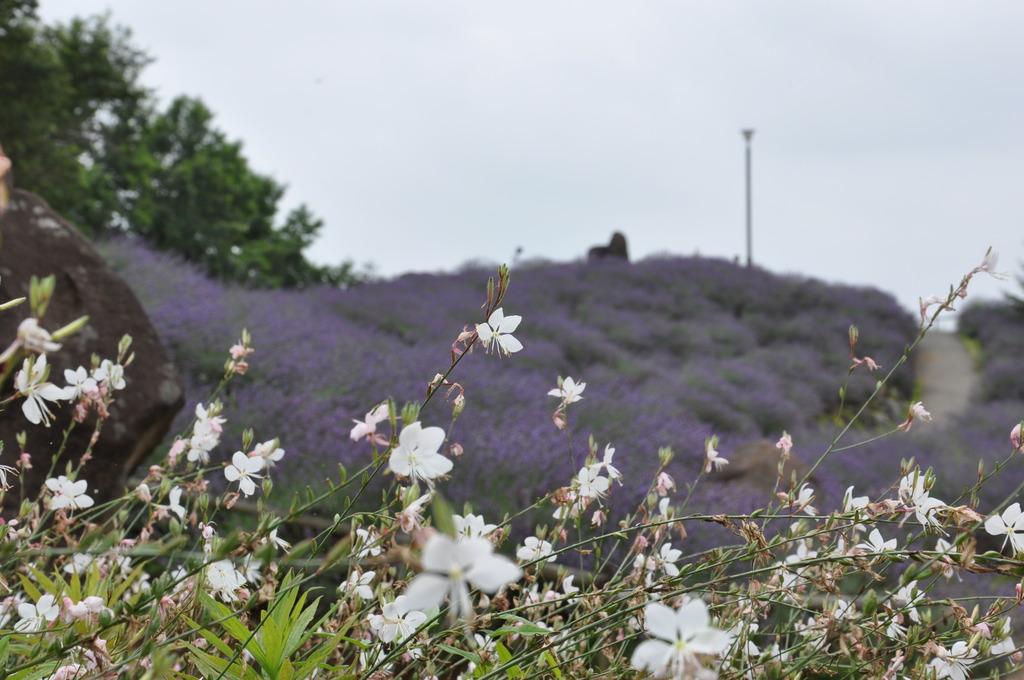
(672, 351)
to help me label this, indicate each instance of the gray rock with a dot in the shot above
(756, 463)
(39, 242)
(615, 249)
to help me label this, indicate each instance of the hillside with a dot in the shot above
(672, 350)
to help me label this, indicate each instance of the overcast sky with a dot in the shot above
(889, 144)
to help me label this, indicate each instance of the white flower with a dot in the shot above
(534, 549)
(367, 543)
(80, 562)
(917, 412)
(417, 454)
(205, 433)
(274, 539)
(613, 472)
(1004, 646)
(894, 629)
(682, 635)
(877, 544)
(945, 561)
(568, 390)
(590, 484)
(410, 518)
(989, 263)
(912, 492)
(398, 620)
(252, 568)
(87, 608)
(68, 494)
(450, 567)
(1010, 523)
(804, 498)
(78, 382)
(954, 662)
(35, 338)
(368, 428)
(499, 329)
(926, 508)
(851, 503)
(472, 526)
(174, 497)
(223, 580)
(665, 559)
(243, 470)
(713, 457)
(844, 609)
(30, 382)
(4, 471)
(269, 451)
(909, 596)
(38, 615)
(358, 584)
(110, 372)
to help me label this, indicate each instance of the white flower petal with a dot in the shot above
(660, 621)
(650, 655)
(427, 590)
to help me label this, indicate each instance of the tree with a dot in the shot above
(61, 88)
(86, 135)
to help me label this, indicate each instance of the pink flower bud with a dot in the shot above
(785, 444)
(664, 484)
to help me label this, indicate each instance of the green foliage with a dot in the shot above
(274, 644)
(61, 87)
(87, 136)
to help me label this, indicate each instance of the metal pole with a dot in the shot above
(747, 134)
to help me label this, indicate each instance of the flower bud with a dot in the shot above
(71, 328)
(11, 303)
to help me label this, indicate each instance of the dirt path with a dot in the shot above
(947, 375)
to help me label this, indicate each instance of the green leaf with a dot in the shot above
(504, 655)
(299, 632)
(553, 664)
(235, 628)
(213, 666)
(210, 637)
(316, 659)
(469, 656)
(118, 594)
(273, 646)
(30, 587)
(525, 627)
(48, 585)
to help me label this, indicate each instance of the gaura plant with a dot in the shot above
(182, 578)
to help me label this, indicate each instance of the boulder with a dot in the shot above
(756, 463)
(615, 249)
(36, 241)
